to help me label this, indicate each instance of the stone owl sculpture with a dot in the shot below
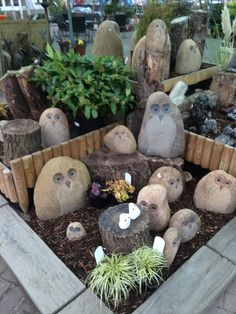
(188, 58)
(162, 130)
(54, 127)
(61, 188)
(120, 140)
(154, 197)
(172, 179)
(216, 192)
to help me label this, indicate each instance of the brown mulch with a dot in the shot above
(78, 256)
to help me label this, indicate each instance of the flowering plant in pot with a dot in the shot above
(87, 86)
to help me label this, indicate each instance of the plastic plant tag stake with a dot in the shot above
(99, 254)
(159, 244)
(124, 221)
(128, 178)
(134, 211)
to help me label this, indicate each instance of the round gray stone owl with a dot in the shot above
(162, 130)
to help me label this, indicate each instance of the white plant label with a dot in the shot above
(128, 178)
(124, 221)
(134, 211)
(159, 244)
(99, 254)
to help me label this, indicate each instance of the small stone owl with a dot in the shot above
(120, 140)
(54, 127)
(216, 192)
(162, 130)
(61, 187)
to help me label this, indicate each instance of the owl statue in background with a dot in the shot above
(162, 130)
(216, 192)
(54, 127)
(61, 187)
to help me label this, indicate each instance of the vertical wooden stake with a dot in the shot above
(29, 170)
(89, 142)
(216, 156)
(38, 162)
(199, 150)
(97, 140)
(226, 158)
(66, 149)
(47, 154)
(20, 183)
(190, 147)
(232, 167)
(82, 146)
(56, 150)
(207, 153)
(10, 185)
(74, 147)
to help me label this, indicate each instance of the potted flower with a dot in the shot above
(85, 87)
(2, 16)
(80, 47)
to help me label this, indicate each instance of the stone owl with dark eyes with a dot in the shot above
(216, 192)
(162, 130)
(61, 188)
(54, 127)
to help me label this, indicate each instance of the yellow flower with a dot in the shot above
(80, 42)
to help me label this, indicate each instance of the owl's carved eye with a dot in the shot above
(57, 117)
(171, 182)
(153, 206)
(178, 179)
(228, 182)
(49, 116)
(218, 180)
(58, 178)
(191, 47)
(155, 108)
(144, 203)
(166, 108)
(71, 173)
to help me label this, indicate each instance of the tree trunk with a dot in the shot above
(21, 137)
(199, 28)
(179, 31)
(35, 99)
(119, 240)
(15, 99)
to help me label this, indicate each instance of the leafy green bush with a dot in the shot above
(94, 85)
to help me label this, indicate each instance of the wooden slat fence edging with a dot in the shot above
(89, 142)
(207, 153)
(65, 147)
(56, 150)
(20, 183)
(29, 170)
(82, 147)
(232, 166)
(38, 162)
(2, 180)
(97, 140)
(11, 190)
(47, 154)
(216, 156)
(74, 148)
(226, 158)
(197, 157)
(190, 146)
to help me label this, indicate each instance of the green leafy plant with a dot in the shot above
(112, 279)
(147, 266)
(94, 85)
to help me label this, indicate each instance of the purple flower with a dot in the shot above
(96, 188)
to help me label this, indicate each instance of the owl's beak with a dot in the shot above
(68, 183)
(53, 123)
(221, 187)
(161, 116)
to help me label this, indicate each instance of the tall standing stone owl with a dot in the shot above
(61, 188)
(216, 192)
(162, 130)
(54, 127)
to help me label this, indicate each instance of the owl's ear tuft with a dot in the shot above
(187, 176)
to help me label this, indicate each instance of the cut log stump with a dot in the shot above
(21, 137)
(124, 240)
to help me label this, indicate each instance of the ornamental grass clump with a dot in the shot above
(112, 279)
(147, 266)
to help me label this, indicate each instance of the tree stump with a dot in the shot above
(21, 137)
(124, 241)
(199, 28)
(110, 166)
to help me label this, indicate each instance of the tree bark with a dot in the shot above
(119, 240)
(21, 137)
(199, 28)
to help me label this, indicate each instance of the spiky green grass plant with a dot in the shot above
(147, 266)
(112, 279)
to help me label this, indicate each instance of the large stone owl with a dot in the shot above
(216, 192)
(54, 127)
(162, 130)
(61, 187)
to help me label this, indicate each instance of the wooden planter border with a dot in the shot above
(14, 183)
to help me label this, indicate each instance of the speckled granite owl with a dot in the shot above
(162, 130)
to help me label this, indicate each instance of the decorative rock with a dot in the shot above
(216, 192)
(188, 222)
(177, 94)
(137, 59)
(232, 115)
(172, 179)
(75, 231)
(107, 41)
(188, 58)
(120, 140)
(61, 188)
(209, 127)
(54, 127)
(162, 130)
(172, 238)
(225, 139)
(154, 197)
